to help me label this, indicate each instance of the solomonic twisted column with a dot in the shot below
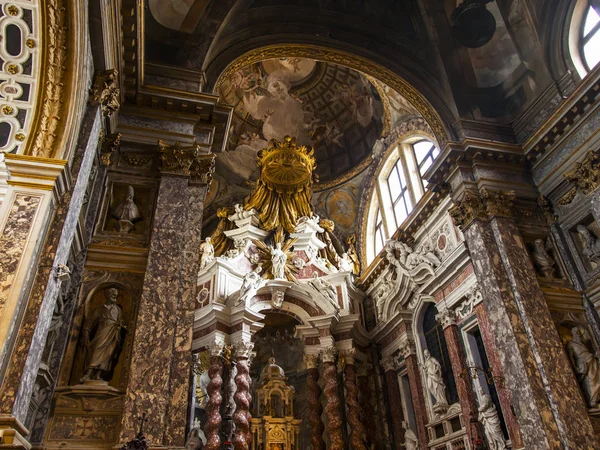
(213, 424)
(357, 430)
(366, 405)
(242, 417)
(332, 401)
(314, 405)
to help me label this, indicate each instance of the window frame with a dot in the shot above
(583, 40)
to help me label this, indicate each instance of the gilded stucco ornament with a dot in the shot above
(202, 169)
(109, 144)
(283, 192)
(585, 177)
(222, 243)
(177, 159)
(105, 92)
(470, 208)
(497, 203)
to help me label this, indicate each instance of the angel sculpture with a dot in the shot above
(250, 286)
(325, 288)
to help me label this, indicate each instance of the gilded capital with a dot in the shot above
(497, 203)
(310, 361)
(470, 208)
(176, 159)
(105, 91)
(202, 169)
(108, 145)
(585, 176)
(328, 354)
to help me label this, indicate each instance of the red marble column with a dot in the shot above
(510, 419)
(332, 401)
(357, 431)
(314, 404)
(416, 392)
(458, 360)
(213, 423)
(366, 404)
(390, 365)
(242, 417)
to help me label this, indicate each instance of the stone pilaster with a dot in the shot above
(314, 404)
(332, 401)
(390, 366)
(408, 352)
(357, 430)
(165, 319)
(28, 340)
(458, 360)
(543, 389)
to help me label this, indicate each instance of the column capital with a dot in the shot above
(389, 363)
(202, 169)
(311, 361)
(176, 159)
(105, 91)
(216, 347)
(469, 209)
(348, 356)
(407, 349)
(446, 317)
(243, 349)
(498, 203)
(328, 354)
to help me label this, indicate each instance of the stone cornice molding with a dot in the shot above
(34, 172)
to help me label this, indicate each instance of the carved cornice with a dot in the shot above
(328, 354)
(470, 208)
(176, 159)
(105, 92)
(108, 145)
(311, 361)
(202, 169)
(497, 203)
(585, 177)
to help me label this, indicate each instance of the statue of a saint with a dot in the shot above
(326, 288)
(194, 441)
(127, 212)
(488, 416)
(353, 254)
(543, 261)
(278, 261)
(251, 284)
(102, 336)
(208, 253)
(591, 245)
(434, 379)
(345, 263)
(411, 442)
(586, 367)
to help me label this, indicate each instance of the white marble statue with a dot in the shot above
(127, 212)
(488, 416)
(194, 440)
(345, 263)
(378, 148)
(434, 380)
(591, 245)
(586, 367)
(411, 442)
(241, 213)
(382, 293)
(251, 284)
(278, 261)
(542, 259)
(424, 255)
(208, 253)
(326, 288)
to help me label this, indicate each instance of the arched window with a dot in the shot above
(436, 344)
(584, 40)
(399, 187)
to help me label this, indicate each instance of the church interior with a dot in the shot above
(299, 225)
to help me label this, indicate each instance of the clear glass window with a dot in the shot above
(399, 193)
(590, 39)
(379, 233)
(425, 153)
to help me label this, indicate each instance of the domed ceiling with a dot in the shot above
(338, 111)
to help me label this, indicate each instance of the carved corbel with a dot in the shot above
(105, 92)
(177, 159)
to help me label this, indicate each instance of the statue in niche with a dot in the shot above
(208, 253)
(278, 261)
(411, 442)
(591, 245)
(102, 337)
(250, 286)
(325, 288)
(434, 380)
(127, 212)
(194, 441)
(488, 416)
(543, 261)
(586, 367)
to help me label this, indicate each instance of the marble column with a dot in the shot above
(315, 410)
(390, 366)
(332, 400)
(242, 418)
(213, 405)
(544, 391)
(408, 352)
(161, 352)
(28, 341)
(458, 360)
(365, 399)
(357, 431)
